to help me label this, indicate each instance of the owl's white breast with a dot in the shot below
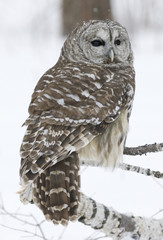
(107, 149)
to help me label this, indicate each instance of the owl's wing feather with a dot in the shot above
(51, 144)
(76, 96)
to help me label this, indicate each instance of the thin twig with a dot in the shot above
(39, 226)
(18, 217)
(158, 183)
(161, 210)
(24, 231)
(62, 233)
(94, 236)
(14, 215)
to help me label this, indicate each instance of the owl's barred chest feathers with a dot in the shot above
(79, 114)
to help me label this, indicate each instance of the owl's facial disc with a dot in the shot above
(103, 44)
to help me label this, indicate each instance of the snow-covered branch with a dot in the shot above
(116, 225)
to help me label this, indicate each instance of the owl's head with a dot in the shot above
(99, 42)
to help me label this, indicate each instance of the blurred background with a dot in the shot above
(32, 33)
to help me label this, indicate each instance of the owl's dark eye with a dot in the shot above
(117, 42)
(97, 43)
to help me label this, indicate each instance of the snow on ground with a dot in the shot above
(22, 63)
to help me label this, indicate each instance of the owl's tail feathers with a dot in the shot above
(56, 191)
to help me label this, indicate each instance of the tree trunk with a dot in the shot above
(75, 11)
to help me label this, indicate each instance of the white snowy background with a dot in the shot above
(30, 43)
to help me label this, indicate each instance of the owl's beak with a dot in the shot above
(111, 54)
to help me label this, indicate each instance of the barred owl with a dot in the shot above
(79, 113)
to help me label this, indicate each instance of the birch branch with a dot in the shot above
(144, 171)
(116, 225)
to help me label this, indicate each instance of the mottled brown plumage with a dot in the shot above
(79, 113)
(55, 190)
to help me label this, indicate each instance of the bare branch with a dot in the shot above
(144, 171)
(148, 148)
(116, 225)
(22, 218)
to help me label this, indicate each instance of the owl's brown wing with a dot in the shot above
(80, 92)
(44, 145)
(68, 109)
